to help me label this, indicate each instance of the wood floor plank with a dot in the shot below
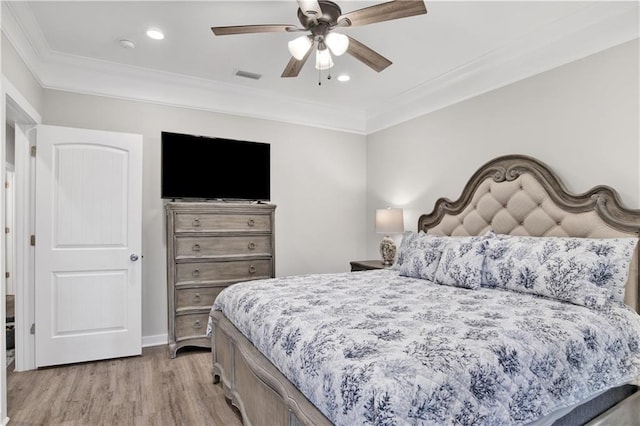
(147, 390)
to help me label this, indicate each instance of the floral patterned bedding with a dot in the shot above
(378, 348)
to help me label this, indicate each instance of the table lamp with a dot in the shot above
(389, 221)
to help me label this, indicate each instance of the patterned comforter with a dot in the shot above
(377, 348)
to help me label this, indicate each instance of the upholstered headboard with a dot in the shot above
(519, 195)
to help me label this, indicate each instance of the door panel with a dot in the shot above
(90, 212)
(75, 291)
(88, 226)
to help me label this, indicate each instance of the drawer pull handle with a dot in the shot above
(197, 325)
(252, 269)
(251, 222)
(196, 222)
(252, 245)
(196, 298)
(196, 272)
(195, 247)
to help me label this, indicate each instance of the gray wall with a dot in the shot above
(318, 182)
(15, 70)
(582, 119)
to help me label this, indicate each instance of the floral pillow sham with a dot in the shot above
(418, 255)
(461, 262)
(454, 261)
(583, 271)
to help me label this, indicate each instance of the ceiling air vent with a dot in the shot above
(247, 74)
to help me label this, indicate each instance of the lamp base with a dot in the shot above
(387, 250)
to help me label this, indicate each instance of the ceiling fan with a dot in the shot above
(320, 18)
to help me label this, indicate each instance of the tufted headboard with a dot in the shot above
(519, 195)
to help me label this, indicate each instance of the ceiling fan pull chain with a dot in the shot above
(319, 77)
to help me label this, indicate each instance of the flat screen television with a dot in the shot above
(210, 168)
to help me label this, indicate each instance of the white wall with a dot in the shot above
(318, 182)
(15, 70)
(581, 119)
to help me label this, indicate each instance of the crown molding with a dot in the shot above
(14, 30)
(72, 73)
(592, 29)
(586, 32)
(103, 78)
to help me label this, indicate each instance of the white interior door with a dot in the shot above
(88, 241)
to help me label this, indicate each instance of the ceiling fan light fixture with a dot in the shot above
(338, 43)
(319, 18)
(300, 46)
(323, 59)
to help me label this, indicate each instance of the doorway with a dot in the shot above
(9, 246)
(20, 122)
(20, 119)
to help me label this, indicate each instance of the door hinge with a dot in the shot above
(33, 328)
(6, 184)
(33, 151)
(7, 230)
(7, 275)
(33, 240)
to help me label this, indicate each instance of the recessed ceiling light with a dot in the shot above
(343, 77)
(155, 34)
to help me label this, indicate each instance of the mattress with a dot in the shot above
(377, 348)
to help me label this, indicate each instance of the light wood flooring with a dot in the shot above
(146, 390)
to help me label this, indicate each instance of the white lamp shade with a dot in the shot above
(389, 221)
(299, 47)
(338, 43)
(323, 59)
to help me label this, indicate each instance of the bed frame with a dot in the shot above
(513, 194)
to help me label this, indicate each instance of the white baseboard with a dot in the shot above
(158, 339)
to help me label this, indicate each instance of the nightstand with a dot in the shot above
(365, 265)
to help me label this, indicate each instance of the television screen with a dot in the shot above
(200, 167)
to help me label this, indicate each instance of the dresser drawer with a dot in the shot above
(191, 325)
(223, 271)
(209, 222)
(202, 297)
(187, 247)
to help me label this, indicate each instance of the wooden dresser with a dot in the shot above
(209, 247)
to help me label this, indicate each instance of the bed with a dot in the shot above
(479, 334)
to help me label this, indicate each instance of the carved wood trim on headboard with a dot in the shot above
(602, 199)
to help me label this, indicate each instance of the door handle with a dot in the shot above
(134, 257)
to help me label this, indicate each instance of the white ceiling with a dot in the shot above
(457, 50)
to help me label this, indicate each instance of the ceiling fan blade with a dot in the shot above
(310, 8)
(249, 29)
(294, 66)
(385, 12)
(367, 56)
